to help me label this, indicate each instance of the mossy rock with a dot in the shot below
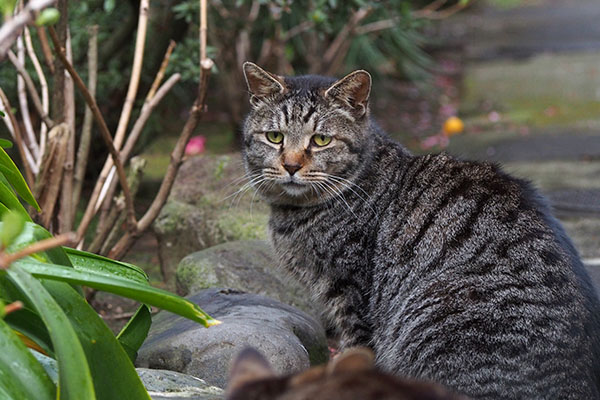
(202, 212)
(247, 265)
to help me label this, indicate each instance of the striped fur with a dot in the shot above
(451, 270)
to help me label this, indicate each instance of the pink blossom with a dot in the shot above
(195, 145)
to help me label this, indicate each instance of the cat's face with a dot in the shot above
(304, 138)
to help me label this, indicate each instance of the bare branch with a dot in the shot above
(129, 237)
(23, 104)
(161, 71)
(48, 58)
(445, 13)
(106, 136)
(10, 30)
(31, 88)
(297, 30)
(28, 162)
(44, 86)
(86, 130)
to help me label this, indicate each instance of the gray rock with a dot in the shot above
(160, 384)
(169, 385)
(290, 339)
(201, 211)
(249, 266)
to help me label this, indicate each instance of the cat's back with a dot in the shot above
(479, 287)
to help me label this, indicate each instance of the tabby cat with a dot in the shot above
(351, 376)
(450, 270)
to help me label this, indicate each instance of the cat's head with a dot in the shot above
(305, 137)
(350, 376)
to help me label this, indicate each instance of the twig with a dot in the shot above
(136, 72)
(48, 59)
(31, 88)
(144, 223)
(28, 162)
(10, 30)
(37, 247)
(203, 29)
(298, 29)
(132, 139)
(44, 86)
(23, 104)
(161, 71)
(376, 26)
(12, 307)
(66, 215)
(86, 130)
(105, 136)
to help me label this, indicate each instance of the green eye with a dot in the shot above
(321, 140)
(275, 137)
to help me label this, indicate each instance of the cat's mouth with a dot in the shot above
(294, 187)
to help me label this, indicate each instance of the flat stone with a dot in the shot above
(249, 266)
(290, 339)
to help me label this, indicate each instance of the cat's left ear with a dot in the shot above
(353, 91)
(248, 366)
(261, 83)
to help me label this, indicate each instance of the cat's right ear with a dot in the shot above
(248, 366)
(261, 83)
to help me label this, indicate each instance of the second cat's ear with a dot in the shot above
(353, 91)
(248, 366)
(261, 83)
(352, 360)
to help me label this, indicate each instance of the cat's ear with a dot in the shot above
(353, 91)
(261, 83)
(354, 359)
(248, 366)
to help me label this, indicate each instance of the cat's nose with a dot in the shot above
(292, 168)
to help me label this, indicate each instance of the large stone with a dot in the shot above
(290, 339)
(203, 210)
(249, 266)
(160, 384)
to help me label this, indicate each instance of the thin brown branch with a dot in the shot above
(376, 26)
(433, 6)
(27, 161)
(12, 307)
(48, 58)
(37, 247)
(161, 71)
(203, 29)
(37, 103)
(86, 131)
(297, 30)
(132, 139)
(106, 136)
(10, 30)
(127, 240)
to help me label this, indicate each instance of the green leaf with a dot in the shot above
(20, 374)
(5, 144)
(85, 261)
(112, 371)
(135, 332)
(12, 174)
(49, 16)
(29, 324)
(2, 114)
(117, 285)
(109, 5)
(75, 380)
(7, 7)
(9, 200)
(12, 226)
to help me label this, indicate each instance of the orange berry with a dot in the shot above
(453, 126)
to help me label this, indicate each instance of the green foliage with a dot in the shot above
(56, 319)
(49, 16)
(7, 7)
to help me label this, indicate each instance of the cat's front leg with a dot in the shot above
(350, 318)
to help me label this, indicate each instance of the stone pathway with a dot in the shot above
(531, 101)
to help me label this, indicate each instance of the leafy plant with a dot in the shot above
(42, 307)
